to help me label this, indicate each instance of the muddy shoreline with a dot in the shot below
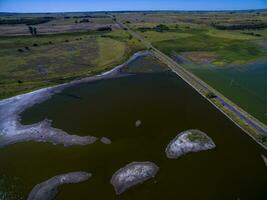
(47, 190)
(12, 131)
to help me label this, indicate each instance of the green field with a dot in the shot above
(196, 32)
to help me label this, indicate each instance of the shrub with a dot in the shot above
(161, 28)
(104, 29)
(210, 95)
(84, 21)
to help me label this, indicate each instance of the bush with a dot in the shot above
(210, 95)
(158, 28)
(144, 29)
(35, 45)
(84, 21)
(161, 28)
(20, 50)
(104, 29)
(253, 34)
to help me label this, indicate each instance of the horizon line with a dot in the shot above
(160, 10)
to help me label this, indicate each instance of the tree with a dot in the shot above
(84, 21)
(104, 29)
(161, 28)
(34, 31)
(211, 95)
(30, 29)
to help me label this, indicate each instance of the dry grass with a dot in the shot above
(200, 56)
(58, 58)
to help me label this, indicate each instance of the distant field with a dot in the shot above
(238, 40)
(49, 24)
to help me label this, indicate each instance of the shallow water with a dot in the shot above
(245, 85)
(166, 106)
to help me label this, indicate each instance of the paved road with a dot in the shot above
(181, 72)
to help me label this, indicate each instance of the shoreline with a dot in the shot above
(12, 131)
(181, 144)
(133, 174)
(225, 106)
(250, 125)
(48, 189)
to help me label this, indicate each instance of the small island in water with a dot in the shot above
(187, 142)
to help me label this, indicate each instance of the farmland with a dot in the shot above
(237, 43)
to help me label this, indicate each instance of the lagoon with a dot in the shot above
(166, 106)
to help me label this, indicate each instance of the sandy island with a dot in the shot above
(133, 174)
(12, 131)
(47, 190)
(189, 141)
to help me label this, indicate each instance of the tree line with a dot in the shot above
(27, 21)
(239, 26)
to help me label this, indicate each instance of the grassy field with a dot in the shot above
(190, 33)
(29, 63)
(65, 50)
(227, 51)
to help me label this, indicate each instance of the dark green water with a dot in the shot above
(245, 85)
(166, 106)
